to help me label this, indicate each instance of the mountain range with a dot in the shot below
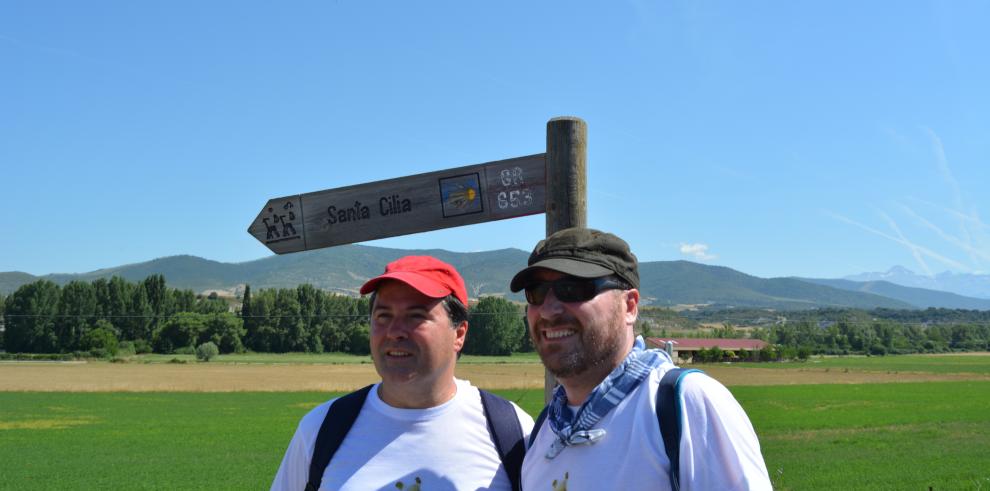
(663, 283)
(970, 285)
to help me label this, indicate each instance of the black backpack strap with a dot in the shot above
(507, 434)
(669, 416)
(340, 417)
(539, 423)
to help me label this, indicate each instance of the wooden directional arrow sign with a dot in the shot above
(450, 198)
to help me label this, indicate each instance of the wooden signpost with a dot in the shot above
(553, 183)
(449, 198)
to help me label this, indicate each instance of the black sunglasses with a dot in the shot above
(571, 289)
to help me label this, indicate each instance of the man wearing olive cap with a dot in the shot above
(601, 428)
(419, 428)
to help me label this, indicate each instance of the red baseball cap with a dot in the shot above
(428, 275)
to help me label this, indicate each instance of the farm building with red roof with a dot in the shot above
(686, 347)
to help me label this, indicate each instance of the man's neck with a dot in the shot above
(405, 396)
(579, 387)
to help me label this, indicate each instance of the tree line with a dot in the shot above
(876, 337)
(767, 317)
(98, 318)
(835, 331)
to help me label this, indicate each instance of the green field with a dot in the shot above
(875, 436)
(972, 363)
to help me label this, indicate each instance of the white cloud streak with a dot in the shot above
(942, 163)
(911, 246)
(973, 219)
(945, 236)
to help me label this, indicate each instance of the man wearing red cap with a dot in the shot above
(419, 428)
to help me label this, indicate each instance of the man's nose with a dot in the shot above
(397, 329)
(551, 307)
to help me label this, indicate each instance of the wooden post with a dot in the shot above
(567, 190)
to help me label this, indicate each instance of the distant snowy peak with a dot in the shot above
(970, 285)
(898, 275)
(899, 271)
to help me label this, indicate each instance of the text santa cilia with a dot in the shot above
(387, 205)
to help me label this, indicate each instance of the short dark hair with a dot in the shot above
(456, 311)
(623, 284)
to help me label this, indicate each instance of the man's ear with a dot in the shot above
(460, 335)
(631, 303)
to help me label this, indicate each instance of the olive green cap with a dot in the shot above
(581, 252)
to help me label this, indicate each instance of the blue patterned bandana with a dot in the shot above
(578, 429)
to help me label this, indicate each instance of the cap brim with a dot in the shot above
(424, 285)
(567, 266)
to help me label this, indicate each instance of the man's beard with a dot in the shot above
(596, 347)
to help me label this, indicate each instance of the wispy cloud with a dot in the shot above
(912, 247)
(942, 164)
(958, 201)
(697, 251)
(904, 240)
(951, 227)
(973, 219)
(946, 236)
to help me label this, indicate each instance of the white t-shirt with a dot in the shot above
(719, 449)
(447, 447)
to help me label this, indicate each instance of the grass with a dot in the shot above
(170, 440)
(971, 363)
(875, 436)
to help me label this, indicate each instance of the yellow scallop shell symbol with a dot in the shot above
(462, 198)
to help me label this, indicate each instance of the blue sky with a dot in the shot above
(776, 138)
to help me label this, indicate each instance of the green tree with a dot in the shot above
(158, 298)
(526, 343)
(116, 306)
(768, 353)
(311, 309)
(207, 351)
(359, 340)
(137, 323)
(344, 324)
(101, 340)
(260, 333)
(710, 355)
(727, 331)
(289, 328)
(182, 301)
(701, 356)
(182, 330)
(496, 327)
(211, 304)
(3, 310)
(246, 309)
(77, 311)
(30, 318)
(225, 330)
(101, 289)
